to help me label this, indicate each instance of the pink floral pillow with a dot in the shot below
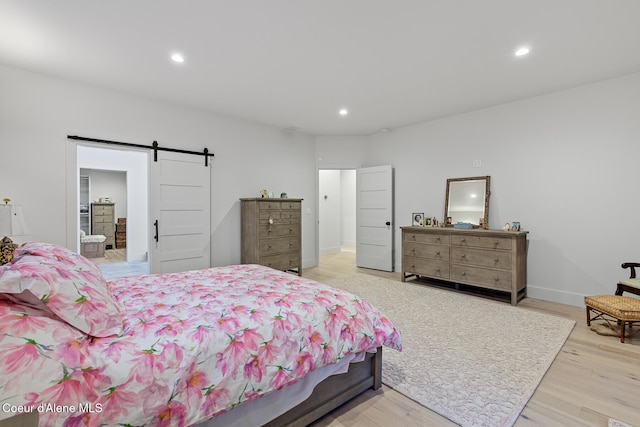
(37, 352)
(69, 285)
(60, 253)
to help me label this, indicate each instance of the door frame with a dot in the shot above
(341, 167)
(72, 214)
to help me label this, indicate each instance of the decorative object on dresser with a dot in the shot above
(488, 259)
(271, 233)
(121, 233)
(467, 201)
(102, 222)
(416, 219)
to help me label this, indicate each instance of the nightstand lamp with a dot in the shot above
(11, 224)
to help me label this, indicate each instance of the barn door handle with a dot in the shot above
(156, 237)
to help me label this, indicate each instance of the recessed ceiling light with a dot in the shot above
(522, 51)
(176, 57)
(343, 112)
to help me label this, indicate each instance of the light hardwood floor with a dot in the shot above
(593, 378)
(111, 256)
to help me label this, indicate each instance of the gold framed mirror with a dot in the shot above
(467, 201)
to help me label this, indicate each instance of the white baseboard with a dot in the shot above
(555, 295)
(141, 257)
(329, 251)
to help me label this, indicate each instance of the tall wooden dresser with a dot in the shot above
(103, 222)
(490, 259)
(271, 233)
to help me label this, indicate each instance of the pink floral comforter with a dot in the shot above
(195, 344)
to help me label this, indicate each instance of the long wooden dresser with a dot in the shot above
(271, 233)
(490, 259)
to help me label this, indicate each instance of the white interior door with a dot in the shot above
(374, 218)
(180, 213)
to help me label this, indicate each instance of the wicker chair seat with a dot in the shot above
(625, 310)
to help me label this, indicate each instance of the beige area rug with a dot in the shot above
(616, 423)
(474, 361)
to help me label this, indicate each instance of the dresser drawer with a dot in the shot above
(432, 252)
(437, 239)
(291, 205)
(264, 215)
(101, 210)
(279, 230)
(425, 267)
(281, 261)
(488, 242)
(294, 216)
(481, 257)
(493, 279)
(269, 204)
(102, 228)
(279, 217)
(279, 245)
(103, 218)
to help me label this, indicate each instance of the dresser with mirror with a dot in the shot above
(464, 251)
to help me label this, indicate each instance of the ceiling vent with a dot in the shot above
(289, 128)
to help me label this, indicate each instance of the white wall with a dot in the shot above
(329, 220)
(565, 165)
(37, 113)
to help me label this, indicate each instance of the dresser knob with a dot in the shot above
(437, 270)
(496, 279)
(463, 256)
(462, 240)
(413, 266)
(413, 251)
(496, 243)
(496, 259)
(464, 274)
(413, 236)
(438, 253)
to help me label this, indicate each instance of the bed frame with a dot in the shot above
(334, 391)
(327, 396)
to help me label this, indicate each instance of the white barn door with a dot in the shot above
(180, 213)
(374, 218)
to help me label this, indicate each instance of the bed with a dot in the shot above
(237, 345)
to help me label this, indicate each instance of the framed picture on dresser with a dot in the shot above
(417, 219)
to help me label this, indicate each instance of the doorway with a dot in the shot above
(119, 177)
(337, 211)
(103, 195)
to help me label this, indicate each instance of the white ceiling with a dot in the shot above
(297, 62)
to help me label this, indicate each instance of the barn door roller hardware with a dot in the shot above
(155, 147)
